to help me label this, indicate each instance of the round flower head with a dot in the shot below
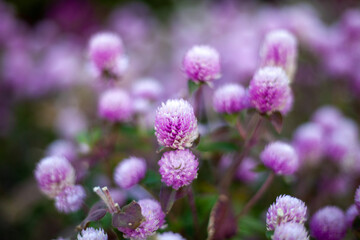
(357, 198)
(308, 141)
(154, 219)
(245, 171)
(147, 88)
(350, 215)
(230, 98)
(53, 174)
(70, 199)
(176, 124)
(115, 105)
(104, 49)
(178, 168)
(269, 90)
(62, 148)
(129, 172)
(285, 209)
(280, 157)
(328, 117)
(92, 234)
(291, 231)
(169, 236)
(202, 64)
(279, 49)
(328, 223)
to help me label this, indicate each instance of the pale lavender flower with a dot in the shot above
(70, 199)
(62, 148)
(245, 171)
(328, 117)
(202, 64)
(280, 49)
(178, 168)
(230, 98)
(285, 209)
(176, 124)
(115, 105)
(92, 234)
(70, 122)
(129, 172)
(291, 231)
(357, 198)
(328, 223)
(147, 88)
(154, 219)
(269, 90)
(280, 157)
(104, 50)
(169, 236)
(53, 174)
(350, 215)
(308, 142)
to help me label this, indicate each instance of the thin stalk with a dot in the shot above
(257, 195)
(192, 204)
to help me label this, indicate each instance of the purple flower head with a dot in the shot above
(129, 172)
(104, 50)
(288, 105)
(280, 49)
(178, 168)
(169, 236)
(245, 171)
(280, 157)
(70, 199)
(62, 148)
(269, 90)
(357, 198)
(176, 124)
(328, 223)
(328, 117)
(350, 215)
(147, 88)
(53, 174)
(154, 219)
(92, 234)
(115, 105)
(285, 209)
(308, 142)
(230, 98)
(202, 64)
(70, 122)
(291, 231)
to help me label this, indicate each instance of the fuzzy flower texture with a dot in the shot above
(285, 209)
(291, 231)
(178, 168)
(230, 98)
(115, 105)
(154, 219)
(129, 172)
(92, 234)
(176, 124)
(70, 199)
(202, 64)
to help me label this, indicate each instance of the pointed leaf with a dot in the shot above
(230, 119)
(97, 212)
(167, 198)
(196, 142)
(192, 86)
(276, 120)
(129, 217)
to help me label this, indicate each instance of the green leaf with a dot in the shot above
(192, 86)
(231, 119)
(152, 178)
(259, 168)
(269, 234)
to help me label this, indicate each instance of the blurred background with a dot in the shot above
(47, 90)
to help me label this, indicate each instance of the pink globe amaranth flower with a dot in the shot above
(328, 223)
(70, 122)
(53, 174)
(129, 172)
(178, 168)
(202, 64)
(308, 141)
(104, 50)
(288, 105)
(154, 219)
(285, 209)
(147, 88)
(176, 124)
(291, 231)
(357, 198)
(269, 90)
(169, 236)
(350, 215)
(280, 157)
(245, 171)
(327, 117)
(115, 105)
(70, 199)
(62, 148)
(92, 234)
(230, 98)
(280, 49)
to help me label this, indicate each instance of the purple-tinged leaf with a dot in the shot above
(167, 198)
(97, 212)
(276, 120)
(129, 217)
